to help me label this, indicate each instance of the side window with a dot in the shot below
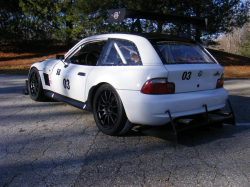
(87, 54)
(120, 52)
(113, 56)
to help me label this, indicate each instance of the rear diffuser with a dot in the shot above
(171, 130)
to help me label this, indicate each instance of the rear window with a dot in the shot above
(182, 53)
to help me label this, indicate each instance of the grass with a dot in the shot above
(16, 59)
(235, 66)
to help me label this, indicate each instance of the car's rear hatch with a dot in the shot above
(194, 77)
(190, 67)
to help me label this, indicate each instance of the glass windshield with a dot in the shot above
(182, 53)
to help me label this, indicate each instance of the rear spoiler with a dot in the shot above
(118, 15)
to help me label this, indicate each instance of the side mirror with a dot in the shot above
(66, 64)
(60, 57)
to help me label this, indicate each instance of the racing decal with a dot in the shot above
(186, 75)
(116, 15)
(66, 84)
(200, 73)
(58, 71)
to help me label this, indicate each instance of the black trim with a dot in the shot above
(118, 15)
(91, 95)
(81, 74)
(137, 24)
(124, 13)
(26, 90)
(46, 79)
(72, 102)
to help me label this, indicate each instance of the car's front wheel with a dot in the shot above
(108, 110)
(35, 85)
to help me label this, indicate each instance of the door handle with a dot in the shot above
(81, 74)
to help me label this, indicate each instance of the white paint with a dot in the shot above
(150, 109)
(128, 81)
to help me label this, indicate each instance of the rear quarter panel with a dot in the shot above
(124, 77)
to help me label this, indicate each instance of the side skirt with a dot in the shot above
(72, 102)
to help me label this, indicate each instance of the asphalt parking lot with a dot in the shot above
(54, 144)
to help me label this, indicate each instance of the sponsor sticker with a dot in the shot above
(116, 15)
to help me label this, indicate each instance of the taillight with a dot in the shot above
(158, 86)
(220, 82)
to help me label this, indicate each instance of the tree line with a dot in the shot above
(68, 20)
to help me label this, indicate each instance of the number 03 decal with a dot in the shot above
(186, 75)
(66, 84)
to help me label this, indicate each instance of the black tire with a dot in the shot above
(108, 110)
(35, 85)
(128, 126)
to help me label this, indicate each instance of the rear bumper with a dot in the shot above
(151, 109)
(171, 130)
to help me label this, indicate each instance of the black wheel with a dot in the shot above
(35, 86)
(108, 110)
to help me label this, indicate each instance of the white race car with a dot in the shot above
(127, 79)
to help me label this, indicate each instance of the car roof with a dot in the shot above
(154, 37)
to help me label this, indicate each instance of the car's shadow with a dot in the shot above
(197, 136)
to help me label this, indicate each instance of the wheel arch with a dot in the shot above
(40, 74)
(39, 93)
(104, 107)
(91, 95)
(92, 92)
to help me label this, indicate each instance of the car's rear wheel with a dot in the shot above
(35, 86)
(108, 110)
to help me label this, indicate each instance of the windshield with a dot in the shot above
(182, 53)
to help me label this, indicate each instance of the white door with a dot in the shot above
(57, 77)
(74, 80)
(70, 80)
